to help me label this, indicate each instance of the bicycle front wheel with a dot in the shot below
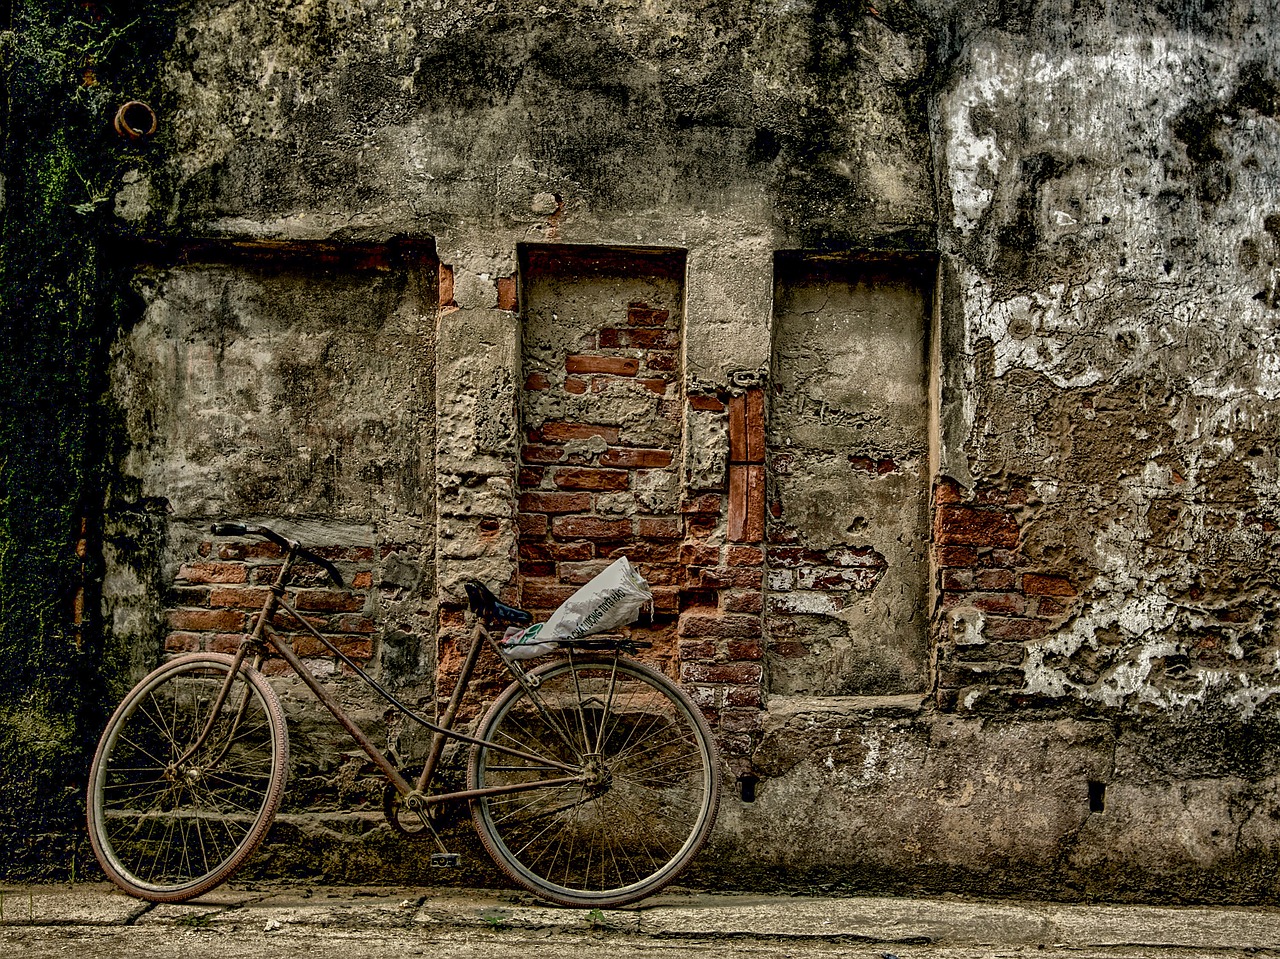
(168, 826)
(639, 782)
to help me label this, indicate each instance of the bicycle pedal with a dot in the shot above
(445, 860)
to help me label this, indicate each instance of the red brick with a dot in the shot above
(697, 649)
(755, 426)
(538, 501)
(705, 404)
(223, 642)
(244, 551)
(579, 573)
(738, 674)
(362, 580)
(537, 381)
(640, 314)
(742, 696)
(1044, 585)
(361, 625)
(535, 552)
(994, 579)
(244, 598)
(744, 603)
(1047, 608)
(537, 569)
(746, 504)
(575, 386)
(557, 431)
(707, 503)
(738, 429)
(654, 339)
(544, 596)
(328, 601)
(577, 477)
(661, 575)
(355, 648)
(660, 362)
(740, 649)
(740, 720)
(720, 627)
(188, 596)
(206, 620)
(532, 453)
(446, 285)
(1011, 603)
(789, 650)
(532, 524)
(654, 385)
(640, 552)
(956, 556)
(590, 527)
(507, 293)
(743, 555)
(696, 554)
(736, 746)
(265, 574)
(629, 458)
(213, 573)
(724, 577)
(616, 365)
(957, 579)
(969, 526)
(653, 527)
(570, 552)
(1000, 628)
(947, 490)
(182, 642)
(666, 599)
(531, 475)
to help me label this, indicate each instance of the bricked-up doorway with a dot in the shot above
(601, 417)
(848, 476)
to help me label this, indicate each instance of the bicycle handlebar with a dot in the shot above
(289, 545)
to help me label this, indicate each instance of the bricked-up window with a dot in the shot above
(848, 477)
(290, 385)
(601, 415)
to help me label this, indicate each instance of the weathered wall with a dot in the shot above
(1072, 690)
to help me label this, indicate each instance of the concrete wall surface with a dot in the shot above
(924, 355)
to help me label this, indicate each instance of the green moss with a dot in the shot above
(66, 66)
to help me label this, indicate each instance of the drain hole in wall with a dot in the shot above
(747, 787)
(1097, 796)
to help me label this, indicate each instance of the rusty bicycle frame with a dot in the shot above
(414, 796)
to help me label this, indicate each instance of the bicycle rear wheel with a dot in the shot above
(168, 827)
(646, 789)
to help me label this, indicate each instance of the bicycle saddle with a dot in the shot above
(487, 606)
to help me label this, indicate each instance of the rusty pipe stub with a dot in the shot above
(135, 120)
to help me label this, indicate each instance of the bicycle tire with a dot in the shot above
(653, 793)
(167, 832)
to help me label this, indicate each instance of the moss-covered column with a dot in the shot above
(67, 67)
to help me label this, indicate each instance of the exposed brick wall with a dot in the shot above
(216, 597)
(722, 599)
(992, 600)
(604, 482)
(848, 473)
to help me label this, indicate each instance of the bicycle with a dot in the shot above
(592, 779)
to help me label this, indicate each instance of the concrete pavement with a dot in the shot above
(95, 920)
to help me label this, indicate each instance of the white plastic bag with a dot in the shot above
(614, 597)
(520, 643)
